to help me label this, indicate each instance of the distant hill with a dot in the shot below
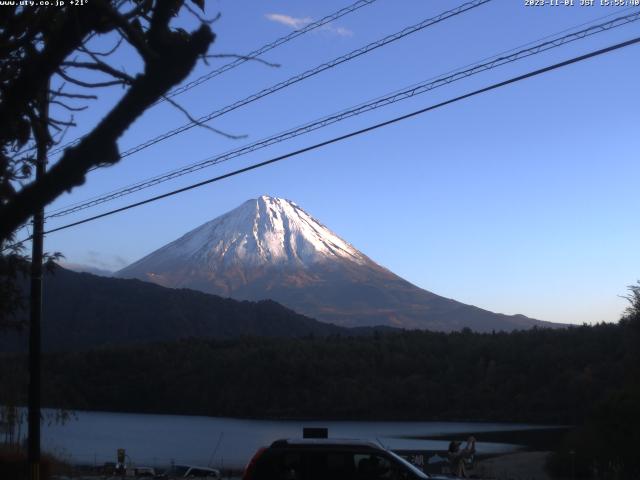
(271, 248)
(83, 311)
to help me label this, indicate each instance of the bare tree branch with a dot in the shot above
(142, 7)
(38, 66)
(102, 67)
(103, 54)
(68, 107)
(73, 95)
(201, 124)
(81, 83)
(54, 122)
(177, 53)
(58, 141)
(201, 19)
(133, 36)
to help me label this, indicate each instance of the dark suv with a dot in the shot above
(329, 459)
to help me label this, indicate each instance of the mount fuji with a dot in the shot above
(270, 248)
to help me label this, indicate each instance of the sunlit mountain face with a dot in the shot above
(270, 248)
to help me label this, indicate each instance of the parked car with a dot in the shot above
(316, 459)
(148, 472)
(145, 472)
(190, 471)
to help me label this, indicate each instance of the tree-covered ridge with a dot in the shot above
(540, 375)
(83, 311)
(586, 376)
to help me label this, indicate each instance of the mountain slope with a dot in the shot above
(271, 248)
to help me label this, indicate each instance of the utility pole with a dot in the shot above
(35, 312)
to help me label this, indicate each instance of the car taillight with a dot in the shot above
(251, 466)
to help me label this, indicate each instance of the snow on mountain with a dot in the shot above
(270, 248)
(260, 232)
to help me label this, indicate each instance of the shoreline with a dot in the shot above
(534, 439)
(529, 465)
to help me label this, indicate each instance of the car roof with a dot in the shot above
(326, 442)
(209, 469)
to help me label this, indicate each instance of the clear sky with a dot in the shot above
(522, 200)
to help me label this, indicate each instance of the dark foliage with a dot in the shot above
(83, 311)
(13, 465)
(46, 60)
(606, 444)
(49, 70)
(554, 376)
(13, 267)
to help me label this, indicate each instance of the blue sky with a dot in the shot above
(522, 200)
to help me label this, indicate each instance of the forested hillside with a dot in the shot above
(83, 311)
(539, 376)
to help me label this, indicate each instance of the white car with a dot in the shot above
(190, 471)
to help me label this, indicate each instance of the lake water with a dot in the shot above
(159, 440)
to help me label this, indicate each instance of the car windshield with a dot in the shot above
(409, 465)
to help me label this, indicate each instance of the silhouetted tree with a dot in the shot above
(605, 444)
(632, 313)
(48, 59)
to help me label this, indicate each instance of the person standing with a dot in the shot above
(458, 457)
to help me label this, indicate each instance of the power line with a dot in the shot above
(309, 73)
(358, 132)
(270, 46)
(250, 56)
(346, 136)
(389, 99)
(280, 41)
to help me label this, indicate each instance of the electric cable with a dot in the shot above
(394, 97)
(282, 40)
(269, 46)
(355, 133)
(305, 75)
(316, 146)
(250, 56)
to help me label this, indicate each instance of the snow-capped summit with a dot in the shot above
(236, 248)
(260, 232)
(271, 248)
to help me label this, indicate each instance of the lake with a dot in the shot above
(159, 440)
